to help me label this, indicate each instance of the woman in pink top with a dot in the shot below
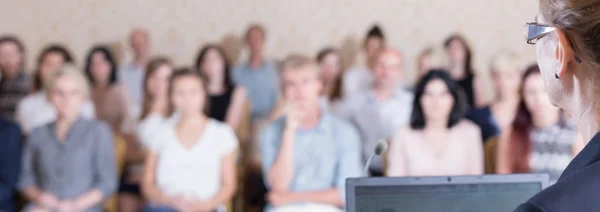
(439, 141)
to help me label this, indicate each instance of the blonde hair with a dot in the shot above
(72, 73)
(504, 60)
(297, 62)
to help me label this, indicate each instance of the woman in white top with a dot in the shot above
(154, 112)
(439, 140)
(191, 166)
(35, 110)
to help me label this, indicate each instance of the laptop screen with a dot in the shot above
(489, 197)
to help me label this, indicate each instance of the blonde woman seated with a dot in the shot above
(68, 164)
(439, 140)
(191, 166)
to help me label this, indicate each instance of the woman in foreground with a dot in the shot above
(567, 41)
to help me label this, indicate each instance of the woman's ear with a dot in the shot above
(564, 52)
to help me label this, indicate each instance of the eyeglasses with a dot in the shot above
(534, 31)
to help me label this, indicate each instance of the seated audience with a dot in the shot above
(10, 163)
(383, 109)
(154, 111)
(15, 83)
(132, 74)
(499, 115)
(35, 110)
(68, 164)
(258, 76)
(461, 69)
(360, 78)
(109, 96)
(330, 62)
(192, 167)
(539, 140)
(308, 153)
(227, 100)
(439, 140)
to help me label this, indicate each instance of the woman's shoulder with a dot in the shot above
(405, 133)
(466, 127)
(94, 125)
(218, 126)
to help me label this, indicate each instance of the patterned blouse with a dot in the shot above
(552, 149)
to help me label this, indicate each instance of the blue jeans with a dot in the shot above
(158, 208)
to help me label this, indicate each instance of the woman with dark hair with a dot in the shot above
(15, 83)
(35, 110)
(461, 69)
(330, 62)
(439, 140)
(192, 166)
(109, 96)
(540, 140)
(227, 101)
(359, 79)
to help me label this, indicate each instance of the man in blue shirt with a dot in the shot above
(258, 76)
(308, 153)
(10, 163)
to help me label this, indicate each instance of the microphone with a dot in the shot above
(380, 148)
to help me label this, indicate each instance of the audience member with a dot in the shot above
(154, 112)
(132, 74)
(439, 140)
(155, 108)
(308, 153)
(10, 163)
(15, 83)
(461, 69)
(497, 116)
(226, 100)
(192, 167)
(330, 62)
(360, 79)
(424, 62)
(258, 76)
(109, 96)
(379, 112)
(35, 110)
(539, 140)
(68, 164)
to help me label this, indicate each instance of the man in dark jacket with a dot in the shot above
(10, 163)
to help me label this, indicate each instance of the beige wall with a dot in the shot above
(179, 27)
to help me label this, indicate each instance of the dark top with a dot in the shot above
(219, 105)
(467, 85)
(11, 93)
(484, 118)
(10, 163)
(576, 189)
(68, 169)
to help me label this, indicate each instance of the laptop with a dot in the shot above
(490, 193)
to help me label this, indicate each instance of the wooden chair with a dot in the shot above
(490, 151)
(120, 151)
(244, 134)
